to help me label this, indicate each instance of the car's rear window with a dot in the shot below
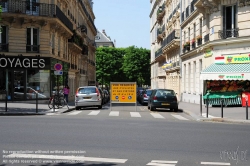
(86, 90)
(149, 92)
(165, 92)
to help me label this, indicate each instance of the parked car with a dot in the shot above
(143, 98)
(107, 96)
(30, 93)
(163, 98)
(139, 93)
(103, 95)
(88, 96)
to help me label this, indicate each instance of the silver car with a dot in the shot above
(88, 96)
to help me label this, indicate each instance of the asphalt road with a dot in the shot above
(95, 140)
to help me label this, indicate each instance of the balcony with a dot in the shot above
(27, 8)
(77, 40)
(33, 48)
(228, 33)
(4, 47)
(85, 50)
(172, 40)
(158, 53)
(160, 33)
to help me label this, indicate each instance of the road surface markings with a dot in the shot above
(205, 115)
(156, 115)
(58, 157)
(162, 163)
(114, 113)
(94, 113)
(214, 163)
(51, 114)
(179, 117)
(75, 113)
(135, 114)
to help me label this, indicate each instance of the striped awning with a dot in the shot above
(226, 72)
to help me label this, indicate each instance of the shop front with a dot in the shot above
(227, 79)
(21, 77)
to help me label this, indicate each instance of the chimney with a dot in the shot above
(103, 31)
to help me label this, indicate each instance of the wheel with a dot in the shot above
(100, 107)
(148, 107)
(152, 108)
(50, 104)
(78, 108)
(176, 109)
(61, 102)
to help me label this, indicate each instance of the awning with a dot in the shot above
(226, 72)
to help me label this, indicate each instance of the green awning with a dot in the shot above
(226, 72)
(222, 95)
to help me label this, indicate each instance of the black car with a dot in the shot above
(163, 98)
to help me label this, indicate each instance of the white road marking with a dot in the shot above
(135, 114)
(179, 117)
(205, 115)
(114, 113)
(214, 163)
(51, 114)
(58, 157)
(156, 115)
(94, 113)
(162, 163)
(75, 113)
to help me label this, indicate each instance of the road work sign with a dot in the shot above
(123, 92)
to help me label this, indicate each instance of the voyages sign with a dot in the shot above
(24, 62)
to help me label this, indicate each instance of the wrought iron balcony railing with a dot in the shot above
(174, 35)
(84, 49)
(33, 48)
(77, 40)
(36, 9)
(227, 33)
(4, 47)
(158, 52)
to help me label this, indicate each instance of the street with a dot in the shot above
(124, 135)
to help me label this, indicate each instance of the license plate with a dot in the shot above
(164, 103)
(87, 97)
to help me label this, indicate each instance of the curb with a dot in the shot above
(20, 114)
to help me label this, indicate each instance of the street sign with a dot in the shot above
(58, 72)
(123, 92)
(58, 66)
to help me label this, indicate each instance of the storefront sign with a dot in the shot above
(167, 65)
(243, 58)
(228, 77)
(123, 92)
(23, 62)
(208, 52)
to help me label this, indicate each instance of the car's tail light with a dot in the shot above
(77, 91)
(154, 98)
(145, 95)
(97, 91)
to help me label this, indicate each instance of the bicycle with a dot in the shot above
(58, 101)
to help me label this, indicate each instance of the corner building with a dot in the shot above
(35, 36)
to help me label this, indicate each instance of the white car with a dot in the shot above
(88, 96)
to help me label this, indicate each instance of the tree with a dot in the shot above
(123, 65)
(136, 65)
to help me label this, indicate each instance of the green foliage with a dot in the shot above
(123, 65)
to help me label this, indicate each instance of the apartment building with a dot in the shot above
(165, 44)
(213, 30)
(103, 40)
(46, 44)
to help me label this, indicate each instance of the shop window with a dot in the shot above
(38, 80)
(32, 40)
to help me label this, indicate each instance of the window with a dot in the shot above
(229, 21)
(3, 39)
(194, 77)
(201, 26)
(59, 45)
(32, 40)
(189, 77)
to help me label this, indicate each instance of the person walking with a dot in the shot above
(66, 93)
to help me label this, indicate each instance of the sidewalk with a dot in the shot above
(16, 108)
(230, 114)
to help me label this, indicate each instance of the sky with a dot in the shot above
(125, 21)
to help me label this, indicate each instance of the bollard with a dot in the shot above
(221, 108)
(207, 106)
(6, 99)
(53, 103)
(246, 110)
(36, 102)
(201, 104)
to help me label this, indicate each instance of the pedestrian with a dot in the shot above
(66, 93)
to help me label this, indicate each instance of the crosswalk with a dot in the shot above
(132, 114)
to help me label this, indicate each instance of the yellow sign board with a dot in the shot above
(208, 52)
(123, 92)
(243, 58)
